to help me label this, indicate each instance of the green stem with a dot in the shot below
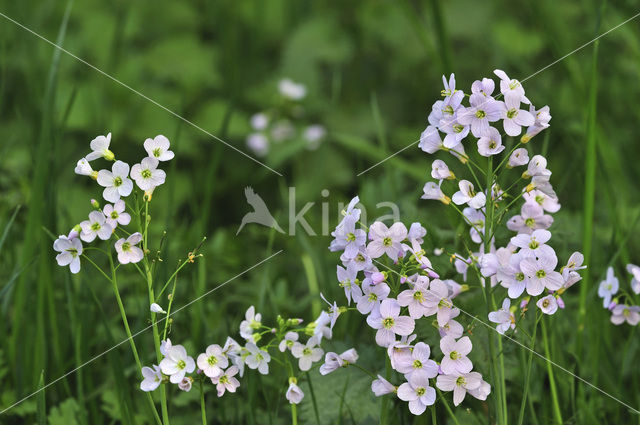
(528, 372)
(125, 322)
(154, 324)
(552, 381)
(446, 405)
(313, 399)
(203, 409)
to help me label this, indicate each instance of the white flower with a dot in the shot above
(158, 148)
(314, 134)
(147, 175)
(294, 393)
(250, 324)
(389, 323)
(503, 317)
(155, 308)
(212, 361)
(433, 191)
(177, 363)
(100, 148)
(455, 358)
(466, 195)
(381, 386)
(257, 358)
(440, 170)
(127, 250)
(519, 157)
(333, 361)
(96, 226)
(608, 287)
(490, 143)
(291, 90)
(548, 304)
(152, 378)
(116, 182)
(185, 384)
(115, 214)
(259, 121)
(307, 354)
(417, 392)
(227, 381)
(287, 342)
(83, 168)
(459, 383)
(164, 346)
(635, 281)
(70, 251)
(258, 143)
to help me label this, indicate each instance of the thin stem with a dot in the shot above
(552, 381)
(203, 409)
(166, 322)
(528, 373)
(125, 322)
(446, 405)
(506, 157)
(97, 267)
(154, 324)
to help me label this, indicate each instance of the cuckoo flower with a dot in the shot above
(531, 217)
(490, 142)
(389, 323)
(147, 175)
(177, 363)
(115, 214)
(454, 352)
(70, 251)
(503, 317)
(622, 313)
(518, 157)
(152, 378)
(415, 297)
(548, 304)
(460, 384)
(466, 195)
(635, 281)
(440, 170)
(212, 361)
(483, 110)
(334, 361)
(127, 250)
(386, 240)
(513, 117)
(226, 381)
(534, 245)
(100, 148)
(430, 141)
(540, 274)
(433, 191)
(417, 392)
(116, 182)
(372, 295)
(95, 226)
(294, 394)
(418, 362)
(608, 287)
(158, 148)
(307, 354)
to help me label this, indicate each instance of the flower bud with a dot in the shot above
(109, 156)
(95, 204)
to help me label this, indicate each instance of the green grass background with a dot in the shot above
(373, 70)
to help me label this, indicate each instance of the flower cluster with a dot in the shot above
(221, 364)
(394, 299)
(628, 311)
(277, 124)
(526, 264)
(105, 223)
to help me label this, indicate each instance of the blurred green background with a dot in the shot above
(373, 70)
